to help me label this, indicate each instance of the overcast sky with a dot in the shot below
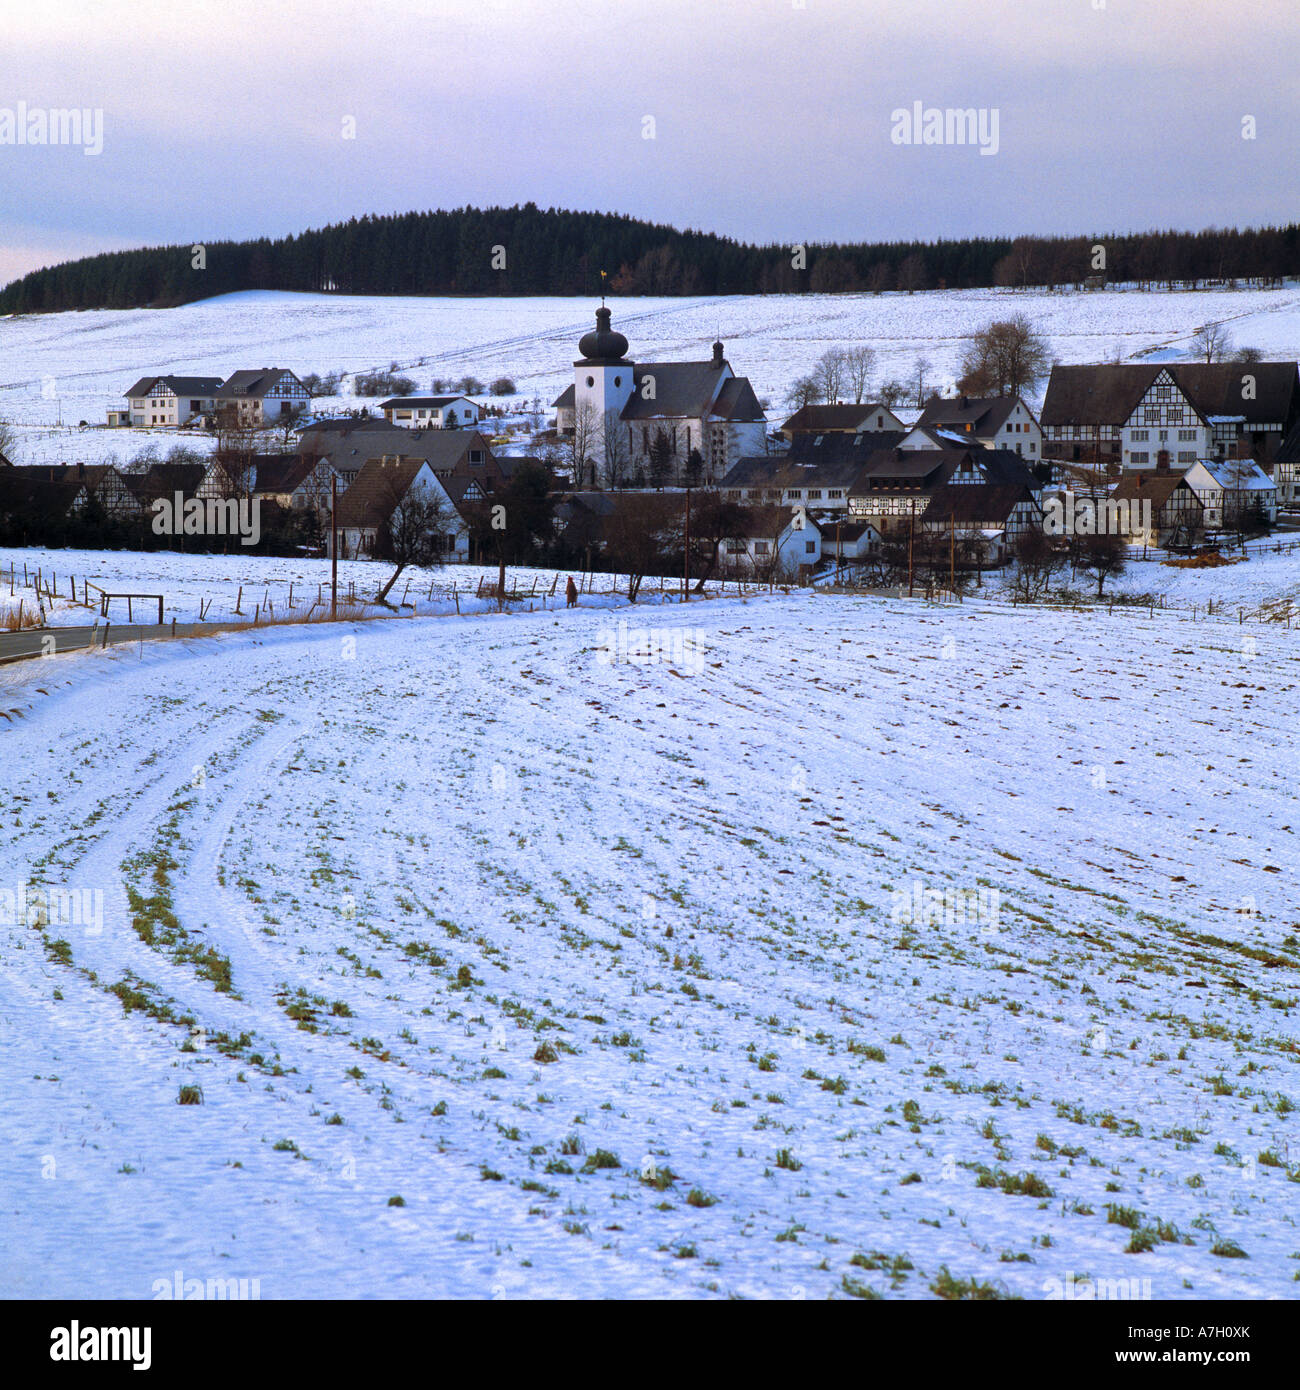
(772, 119)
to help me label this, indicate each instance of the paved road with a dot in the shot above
(49, 641)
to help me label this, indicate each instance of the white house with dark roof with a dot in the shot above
(431, 412)
(261, 396)
(996, 422)
(167, 400)
(620, 407)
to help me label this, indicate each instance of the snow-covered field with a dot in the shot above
(232, 588)
(613, 974)
(70, 367)
(237, 588)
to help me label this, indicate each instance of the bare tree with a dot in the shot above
(1102, 556)
(580, 446)
(921, 368)
(859, 363)
(829, 374)
(1006, 358)
(1211, 342)
(618, 454)
(805, 391)
(8, 443)
(419, 526)
(1037, 562)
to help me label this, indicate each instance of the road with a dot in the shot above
(50, 641)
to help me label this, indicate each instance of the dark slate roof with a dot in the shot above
(164, 479)
(845, 532)
(1006, 466)
(376, 490)
(181, 385)
(443, 449)
(1108, 394)
(281, 472)
(1154, 485)
(760, 471)
(766, 522)
(683, 390)
(252, 383)
(22, 488)
(346, 425)
(813, 448)
(848, 418)
(974, 504)
(1289, 449)
(737, 401)
(565, 398)
(978, 418)
(911, 468)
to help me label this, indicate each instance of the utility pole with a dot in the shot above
(686, 561)
(911, 531)
(334, 546)
(952, 552)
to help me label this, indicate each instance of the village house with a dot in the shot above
(845, 541)
(347, 445)
(790, 482)
(775, 543)
(1286, 469)
(164, 480)
(431, 412)
(249, 399)
(167, 400)
(985, 519)
(839, 419)
(1138, 416)
(379, 489)
(617, 409)
(1162, 509)
(1233, 492)
(996, 422)
(98, 483)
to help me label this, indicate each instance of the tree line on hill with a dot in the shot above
(527, 250)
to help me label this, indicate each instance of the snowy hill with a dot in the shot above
(58, 369)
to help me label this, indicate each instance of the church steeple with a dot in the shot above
(603, 346)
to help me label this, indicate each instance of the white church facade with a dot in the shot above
(616, 409)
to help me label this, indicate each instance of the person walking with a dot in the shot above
(571, 593)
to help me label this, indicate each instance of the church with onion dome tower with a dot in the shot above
(617, 407)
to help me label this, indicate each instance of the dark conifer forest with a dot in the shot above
(527, 250)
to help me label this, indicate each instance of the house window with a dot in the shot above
(835, 492)
(1143, 457)
(814, 493)
(1187, 456)
(796, 492)
(476, 455)
(1186, 436)
(760, 547)
(1140, 436)
(810, 547)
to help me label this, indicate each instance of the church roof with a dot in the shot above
(737, 401)
(603, 346)
(682, 390)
